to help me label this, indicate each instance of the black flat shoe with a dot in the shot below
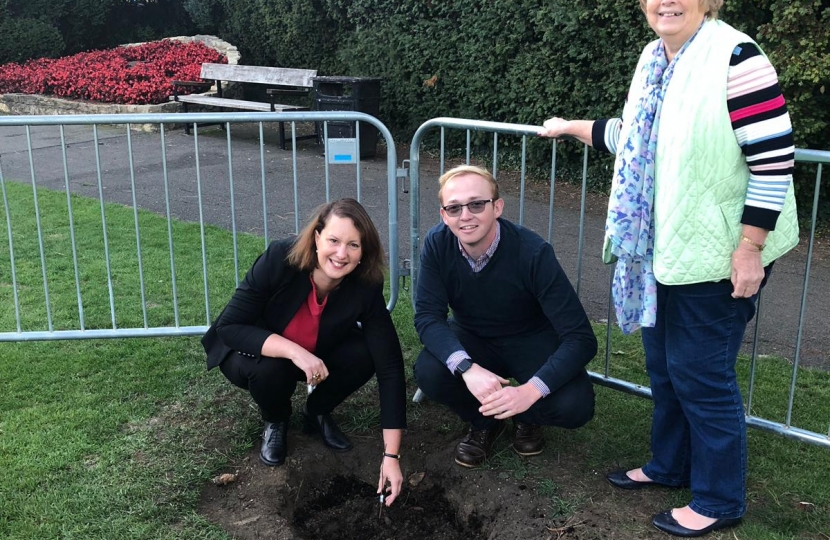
(325, 425)
(666, 523)
(621, 480)
(274, 443)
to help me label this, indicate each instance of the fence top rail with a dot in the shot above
(812, 156)
(801, 155)
(189, 118)
(481, 125)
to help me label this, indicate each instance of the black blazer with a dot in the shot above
(272, 293)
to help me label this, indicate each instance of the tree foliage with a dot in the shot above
(52, 28)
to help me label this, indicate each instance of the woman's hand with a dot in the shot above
(747, 271)
(390, 473)
(277, 346)
(314, 368)
(554, 127)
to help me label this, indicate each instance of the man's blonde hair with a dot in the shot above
(462, 170)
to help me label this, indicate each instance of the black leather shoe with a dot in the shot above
(274, 443)
(666, 523)
(621, 480)
(528, 439)
(475, 448)
(325, 425)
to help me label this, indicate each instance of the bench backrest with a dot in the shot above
(259, 74)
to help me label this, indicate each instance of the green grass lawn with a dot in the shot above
(103, 439)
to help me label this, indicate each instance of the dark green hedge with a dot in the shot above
(23, 38)
(52, 28)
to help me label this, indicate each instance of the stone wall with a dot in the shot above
(230, 51)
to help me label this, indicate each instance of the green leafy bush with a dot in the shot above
(23, 38)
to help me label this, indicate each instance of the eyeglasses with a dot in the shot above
(476, 207)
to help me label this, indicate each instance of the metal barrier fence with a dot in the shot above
(595, 291)
(156, 291)
(232, 184)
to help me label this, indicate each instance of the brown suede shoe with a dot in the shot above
(475, 447)
(528, 439)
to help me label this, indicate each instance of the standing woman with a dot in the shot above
(312, 309)
(702, 204)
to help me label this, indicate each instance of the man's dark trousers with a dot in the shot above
(518, 357)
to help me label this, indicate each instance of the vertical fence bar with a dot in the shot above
(264, 195)
(495, 153)
(170, 223)
(138, 228)
(294, 166)
(233, 204)
(611, 316)
(357, 158)
(104, 225)
(294, 138)
(202, 224)
(582, 205)
(552, 192)
(443, 143)
(39, 227)
(803, 310)
(522, 189)
(72, 230)
(326, 161)
(468, 147)
(753, 363)
(11, 249)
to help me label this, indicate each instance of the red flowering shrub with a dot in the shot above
(132, 75)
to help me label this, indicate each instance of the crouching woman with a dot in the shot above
(312, 309)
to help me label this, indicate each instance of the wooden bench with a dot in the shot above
(284, 82)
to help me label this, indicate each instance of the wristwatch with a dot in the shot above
(462, 367)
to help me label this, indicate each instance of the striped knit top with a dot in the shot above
(762, 128)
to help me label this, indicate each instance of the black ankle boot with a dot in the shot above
(325, 425)
(274, 443)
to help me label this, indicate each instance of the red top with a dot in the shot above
(305, 325)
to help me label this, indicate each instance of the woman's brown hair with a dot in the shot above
(303, 254)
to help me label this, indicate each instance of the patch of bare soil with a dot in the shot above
(348, 507)
(319, 494)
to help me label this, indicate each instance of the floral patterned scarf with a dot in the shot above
(629, 225)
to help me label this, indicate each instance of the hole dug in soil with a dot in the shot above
(348, 508)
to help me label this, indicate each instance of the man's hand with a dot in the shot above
(510, 401)
(482, 382)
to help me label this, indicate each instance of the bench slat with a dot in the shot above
(237, 103)
(259, 74)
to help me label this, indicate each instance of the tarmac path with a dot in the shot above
(781, 300)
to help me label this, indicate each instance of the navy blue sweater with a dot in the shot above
(522, 290)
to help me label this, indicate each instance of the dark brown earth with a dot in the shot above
(319, 494)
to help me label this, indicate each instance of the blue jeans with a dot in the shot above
(698, 433)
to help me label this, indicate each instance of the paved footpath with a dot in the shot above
(781, 300)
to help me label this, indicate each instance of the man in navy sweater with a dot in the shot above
(514, 315)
